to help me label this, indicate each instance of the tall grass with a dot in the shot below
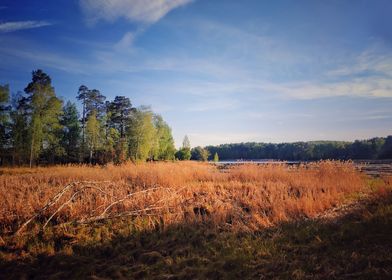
(243, 197)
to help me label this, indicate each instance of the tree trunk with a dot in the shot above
(31, 151)
(83, 128)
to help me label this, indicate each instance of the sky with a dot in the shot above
(218, 71)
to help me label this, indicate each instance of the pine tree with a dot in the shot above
(71, 132)
(120, 110)
(19, 128)
(82, 96)
(4, 121)
(95, 101)
(92, 101)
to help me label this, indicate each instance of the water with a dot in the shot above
(370, 167)
(257, 161)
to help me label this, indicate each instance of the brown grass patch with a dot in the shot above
(244, 197)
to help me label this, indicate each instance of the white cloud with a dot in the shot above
(369, 61)
(144, 11)
(125, 42)
(358, 87)
(21, 25)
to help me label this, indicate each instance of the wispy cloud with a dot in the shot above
(125, 42)
(143, 11)
(22, 25)
(356, 87)
(42, 57)
(368, 62)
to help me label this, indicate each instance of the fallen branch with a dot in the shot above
(47, 205)
(127, 197)
(128, 213)
(61, 207)
(103, 215)
(56, 198)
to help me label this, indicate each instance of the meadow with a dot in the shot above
(171, 220)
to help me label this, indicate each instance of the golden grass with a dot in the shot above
(245, 197)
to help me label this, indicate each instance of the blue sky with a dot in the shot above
(218, 71)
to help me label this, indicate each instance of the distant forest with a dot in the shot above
(375, 148)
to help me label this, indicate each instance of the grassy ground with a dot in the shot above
(353, 242)
(357, 245)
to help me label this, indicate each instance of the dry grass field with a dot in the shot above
(194, 220)
(244, 196)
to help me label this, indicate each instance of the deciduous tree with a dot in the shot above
(44, 120)
(141, 134)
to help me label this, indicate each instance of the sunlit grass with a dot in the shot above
(244, 197)
(247, 221)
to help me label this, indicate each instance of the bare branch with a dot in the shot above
(47, 205)
(61, 207)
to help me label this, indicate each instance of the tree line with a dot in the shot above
(36, 127)
(375, 148)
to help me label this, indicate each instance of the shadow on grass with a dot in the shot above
(357, 245)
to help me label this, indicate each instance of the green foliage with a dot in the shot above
(386, 150)
(141, 135)
(4, 99)
(216, 157)
(94, 134)
(4, 116)
(95, 102)
(374, 148)
(82, 96)
(183, 154)
(36, 128)
(119, 112)
(19, 130)
(70, 140)
(4, 121)
(92, 100)
(200, 154)
(45, 127)
(109, 148)
(164, 144)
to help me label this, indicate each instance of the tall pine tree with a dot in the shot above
(4, 121)
(120, 110)
(71, 139)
